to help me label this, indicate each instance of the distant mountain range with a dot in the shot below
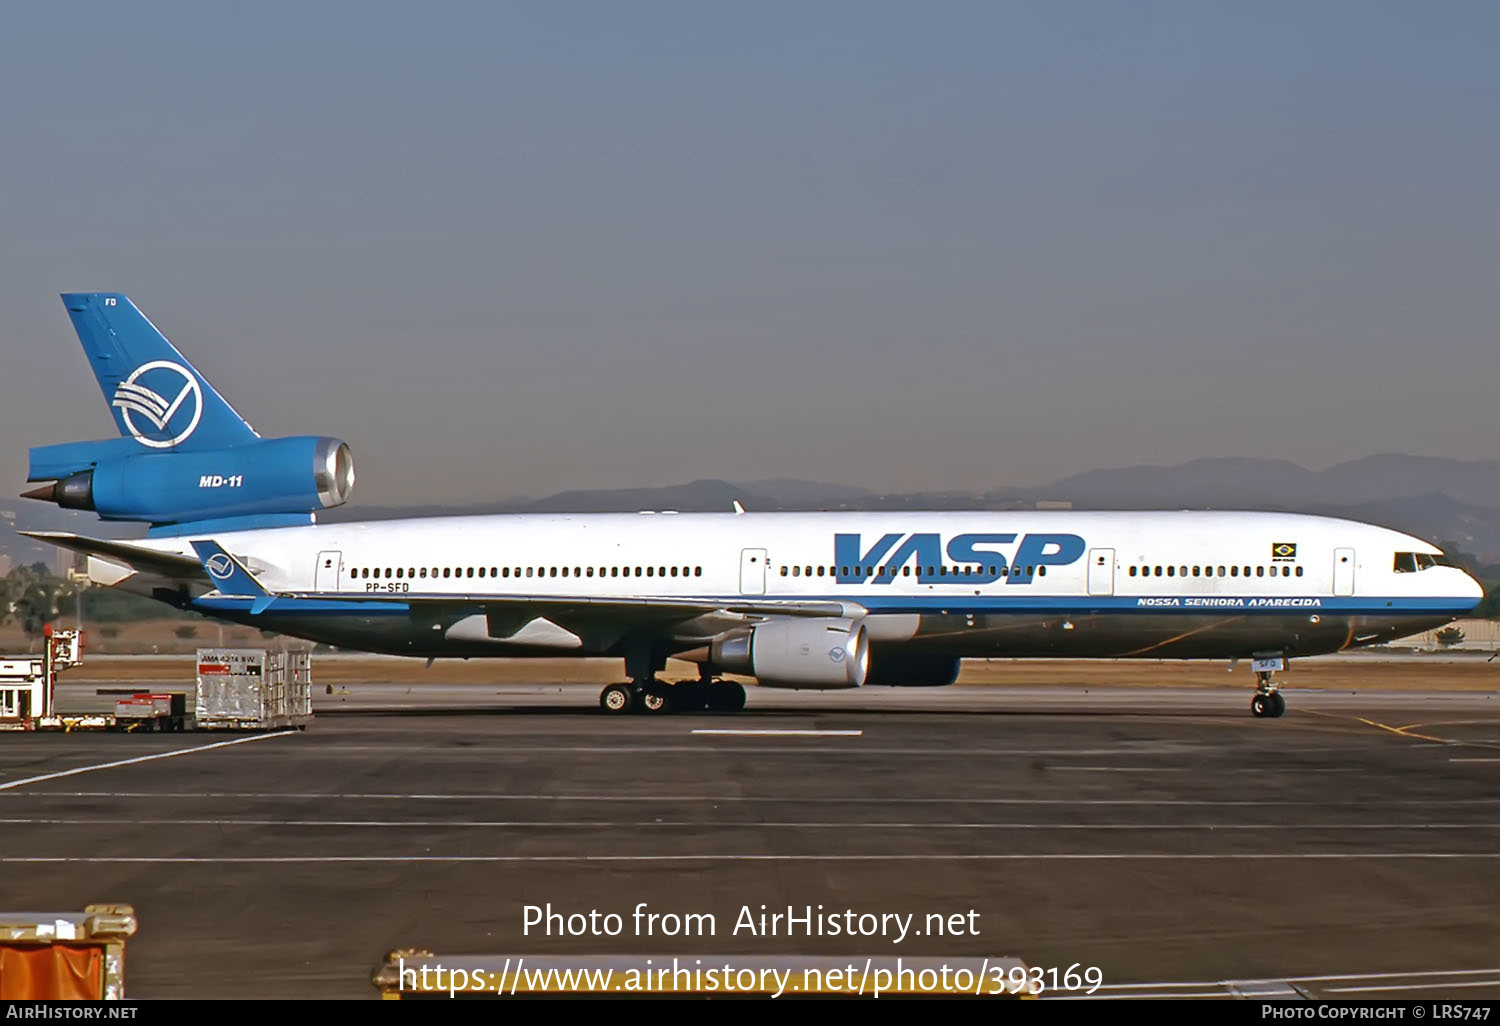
(1443, 500)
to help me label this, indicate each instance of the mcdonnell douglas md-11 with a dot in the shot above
(795, 600)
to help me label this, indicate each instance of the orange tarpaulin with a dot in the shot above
(54, 971)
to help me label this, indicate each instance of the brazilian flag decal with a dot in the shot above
(1283, 550)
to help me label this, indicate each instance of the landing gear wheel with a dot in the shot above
(731, 696)
(690, 696)
(656, 700)
(617, 699)
(1260, 705)
(1278, 705)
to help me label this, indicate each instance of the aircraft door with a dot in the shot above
(327, 576)
(752, 571)
(1343, 571)
(1101, 571)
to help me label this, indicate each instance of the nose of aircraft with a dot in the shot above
(1473, 589)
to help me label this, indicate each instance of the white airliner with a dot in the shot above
(796, 600)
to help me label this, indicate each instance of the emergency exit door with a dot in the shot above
(327, 576)
(752, 571)
(1101, 571)
(1343, 571)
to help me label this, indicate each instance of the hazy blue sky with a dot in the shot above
(510, 248)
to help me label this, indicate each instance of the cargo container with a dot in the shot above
(65, 956)
(253, 689)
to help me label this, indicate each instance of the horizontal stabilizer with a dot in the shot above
(230, 575)
(168, 564)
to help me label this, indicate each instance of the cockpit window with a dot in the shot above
(1411, 562)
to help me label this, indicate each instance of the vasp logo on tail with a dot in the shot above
(145, 395)
(220, 566)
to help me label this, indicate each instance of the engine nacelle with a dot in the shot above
(278, 475)
(820, 654)
(903, 669)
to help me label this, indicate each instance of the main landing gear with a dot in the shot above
(1267, 702)
(654, 696)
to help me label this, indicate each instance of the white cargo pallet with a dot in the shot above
(253, 689)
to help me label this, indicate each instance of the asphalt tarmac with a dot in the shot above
(1164, 837)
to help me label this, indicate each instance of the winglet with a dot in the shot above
(231, 576)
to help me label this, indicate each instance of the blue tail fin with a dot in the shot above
(230, 575)
(157, 397)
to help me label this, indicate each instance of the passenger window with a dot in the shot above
(1234, 571)
(698, 571)
(1299, 571)
(674, 571)
(796, 571)
(1260, 571)
(820, 571)
(1171, 571)
(552, 571)
(1221, 571)
(906, 571)
(784, 571)
(1132, 571)
(1286, 571)
(470, 572)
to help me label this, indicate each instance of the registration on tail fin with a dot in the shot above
(154, 394)
(230, 575)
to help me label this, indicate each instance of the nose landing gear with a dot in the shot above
(1267, 702)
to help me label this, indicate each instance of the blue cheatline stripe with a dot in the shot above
(1180, 605)
(310, 607)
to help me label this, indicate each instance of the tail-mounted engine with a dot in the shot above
(268, 476)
